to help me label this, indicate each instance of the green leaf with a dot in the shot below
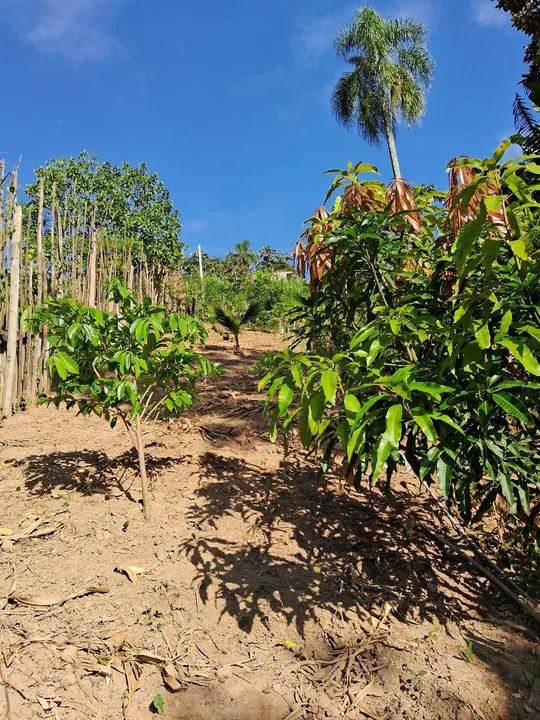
(389, 439)
(285, 396)
(277, 383)
(518, 383)
(499, 152)
(158, 704)
(352, 444)
(483, 337)
(507, 488)
(523, 354)
(442, 417)
(329, 385)
(70, 364)
(532, 331)
(463, 245)
(512, 406)
(431, 388)
(444, 473)
(425, 423)
(393, 423)
(506, 322)
(352, 406)
(384, 450)
(60, 366)
(265, 380)
(519, 248)
(315, 411)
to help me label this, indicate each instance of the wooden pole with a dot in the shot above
(13, 313)
(92, 270)
(42, 278)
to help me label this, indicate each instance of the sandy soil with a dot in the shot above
(265, 596)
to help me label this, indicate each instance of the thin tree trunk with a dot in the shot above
(2, 176)
(61, 269)
(13, 317)
(53, 251)
(42, 277)
(142, 469)
(92, 271)
(390, 139)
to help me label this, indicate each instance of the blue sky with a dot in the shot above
(229, 101)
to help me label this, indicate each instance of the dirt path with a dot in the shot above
(265, 596)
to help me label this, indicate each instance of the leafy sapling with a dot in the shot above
(133, 366)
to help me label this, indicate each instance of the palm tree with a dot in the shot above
(242, 257)
(233, 323)
(526, 17)
(391, 71)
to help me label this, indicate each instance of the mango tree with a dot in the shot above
(426, 338)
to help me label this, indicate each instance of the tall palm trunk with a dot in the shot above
(390, 139)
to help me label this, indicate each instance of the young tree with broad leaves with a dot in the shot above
(391, 71)
(133, 366)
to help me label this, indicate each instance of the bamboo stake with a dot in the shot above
(53, 253)
(92, 270)
(42, 277)
(13, 314)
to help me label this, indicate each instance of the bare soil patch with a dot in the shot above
(265, 595)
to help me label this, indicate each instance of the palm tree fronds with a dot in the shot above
(228, 320)
(252, 312)
(391, 71)
(527, 125)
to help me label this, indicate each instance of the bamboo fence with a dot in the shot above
(56, 256)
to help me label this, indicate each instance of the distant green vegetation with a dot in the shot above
(240, 279)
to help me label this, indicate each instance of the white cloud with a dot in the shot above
(486, 13)
(425, 10)
(195, 226)
(315, 36)
(78, 30)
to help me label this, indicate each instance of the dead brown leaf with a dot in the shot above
(132, 571)
(46, 600)
(170, 679)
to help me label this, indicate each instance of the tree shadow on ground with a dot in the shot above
(350, 549)
(87, 472)
(311, 548)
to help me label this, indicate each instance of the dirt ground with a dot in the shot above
(265, 595)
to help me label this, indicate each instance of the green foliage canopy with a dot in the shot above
(432, 345)
(128, 204)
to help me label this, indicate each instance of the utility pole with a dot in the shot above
(200, 263)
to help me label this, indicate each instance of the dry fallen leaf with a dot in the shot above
(35, 600)
(170, 679)
(121, 639)
(45, 600)
(45, 704)
(5, 531)
(143, 656)
(132, 571)
(94, 668)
